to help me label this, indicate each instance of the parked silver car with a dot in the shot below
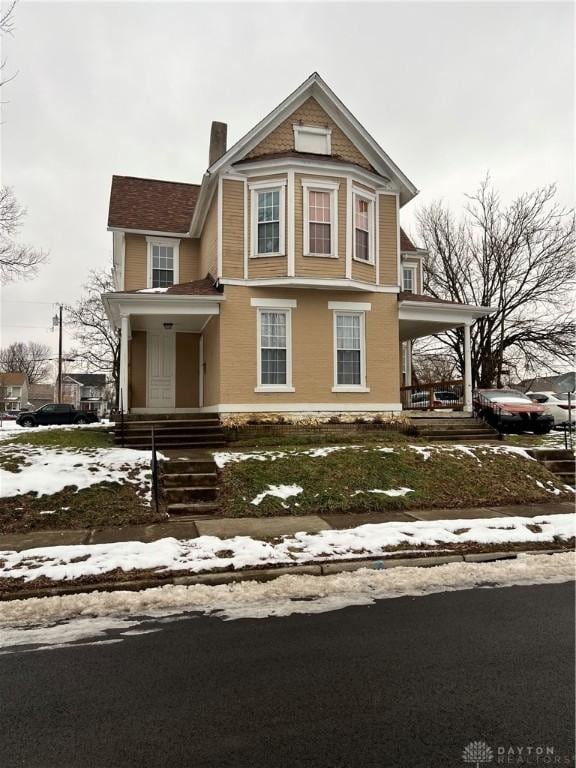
(556, 405)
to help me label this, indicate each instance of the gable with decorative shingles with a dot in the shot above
(281, 139)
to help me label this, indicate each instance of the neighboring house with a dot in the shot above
(13, 391)
(39, 395)
(561, 382)
(282, 282)
(85, 391)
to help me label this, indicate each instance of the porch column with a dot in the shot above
(124, 337)
(467, 370)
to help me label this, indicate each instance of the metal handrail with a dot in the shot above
(154, 470)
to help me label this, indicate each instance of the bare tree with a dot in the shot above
(31, 358)
(6, 28)
(16, 259)
(432, 367)
(98, 342)
(518, 259)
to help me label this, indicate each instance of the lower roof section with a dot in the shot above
(421, 315)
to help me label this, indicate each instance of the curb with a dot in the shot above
(268, 574)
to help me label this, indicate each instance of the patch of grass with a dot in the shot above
(98, 506)
(65, 438)
(449, 478)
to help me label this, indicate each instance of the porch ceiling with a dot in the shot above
(424, 318)
(190, 323)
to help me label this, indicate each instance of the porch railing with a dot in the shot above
(446, 395)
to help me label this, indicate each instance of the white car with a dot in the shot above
(556, 405)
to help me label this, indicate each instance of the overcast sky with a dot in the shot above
(449, 90)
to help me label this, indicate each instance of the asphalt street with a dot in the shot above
(407, 682)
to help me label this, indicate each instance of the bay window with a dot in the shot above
(320, 218)
(363, 227)
(268, 202)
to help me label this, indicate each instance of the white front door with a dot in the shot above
(161, 356)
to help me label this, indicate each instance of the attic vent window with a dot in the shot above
(312, 139)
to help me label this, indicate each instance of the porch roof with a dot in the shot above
(421, 315)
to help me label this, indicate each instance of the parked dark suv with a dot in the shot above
(55, 413)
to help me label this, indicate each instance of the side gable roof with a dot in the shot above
(406, 245)
(8, 379)
(151, 204)
(316, 87)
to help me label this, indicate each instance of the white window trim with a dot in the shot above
(314, 129)
(274, 185)
(362, 387)
(274, 307)
(412, 268)
(162, 241)
(371, 200)
(313, 185)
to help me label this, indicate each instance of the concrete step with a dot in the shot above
(552, 454)
(194, 508)
(461, 437)
(155, 417)
(560, 465)
(567, 477)
(166, 438)
(197, 465)
(452, 435)
(137, 427)
(190, 493)
(145, 445)
(185, 480)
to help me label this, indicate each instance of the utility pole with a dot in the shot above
(57, 321)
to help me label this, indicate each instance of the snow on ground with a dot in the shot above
(11, 429)
(105, 617)
(279, 491)
(207, 553)
(425, 451)
(49, 470)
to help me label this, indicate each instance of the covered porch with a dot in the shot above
(162, 348)
(421, 316)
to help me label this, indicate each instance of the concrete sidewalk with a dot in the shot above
(264, 527)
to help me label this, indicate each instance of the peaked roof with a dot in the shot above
(151, 204)
(316, 87)
(87, 379)
(406, 245)
(6, 379)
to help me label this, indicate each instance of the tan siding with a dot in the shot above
(189, 260)
(364, 272)
(312, 348)
(137, 370)
(388, 240)
(187, 366)
(232, 228)
(208, 241)
(319, 266)
(212, 352)
(136, 264)
(268, 266)
(281, 139)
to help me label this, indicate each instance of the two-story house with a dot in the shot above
(13, 391)
(85, 391)
(282, 282)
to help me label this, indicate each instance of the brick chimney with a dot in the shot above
(218, 133)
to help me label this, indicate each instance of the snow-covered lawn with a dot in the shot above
(207, 553)
(89, 617)
(9, 429)
(45, 471)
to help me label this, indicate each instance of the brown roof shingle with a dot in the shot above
(151, 204)
(6, 379)
(407, 296)
(405, 243)
(204, 287)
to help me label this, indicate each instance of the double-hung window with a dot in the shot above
(320, 218)
(349, 346)
(163, 255)
(274, 345)
(409, 279)
(268, 202)
(363, 227)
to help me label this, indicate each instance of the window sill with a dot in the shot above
(321, 255)
(369, 263)
(266, 255)
(344, 388)
(273, 388)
